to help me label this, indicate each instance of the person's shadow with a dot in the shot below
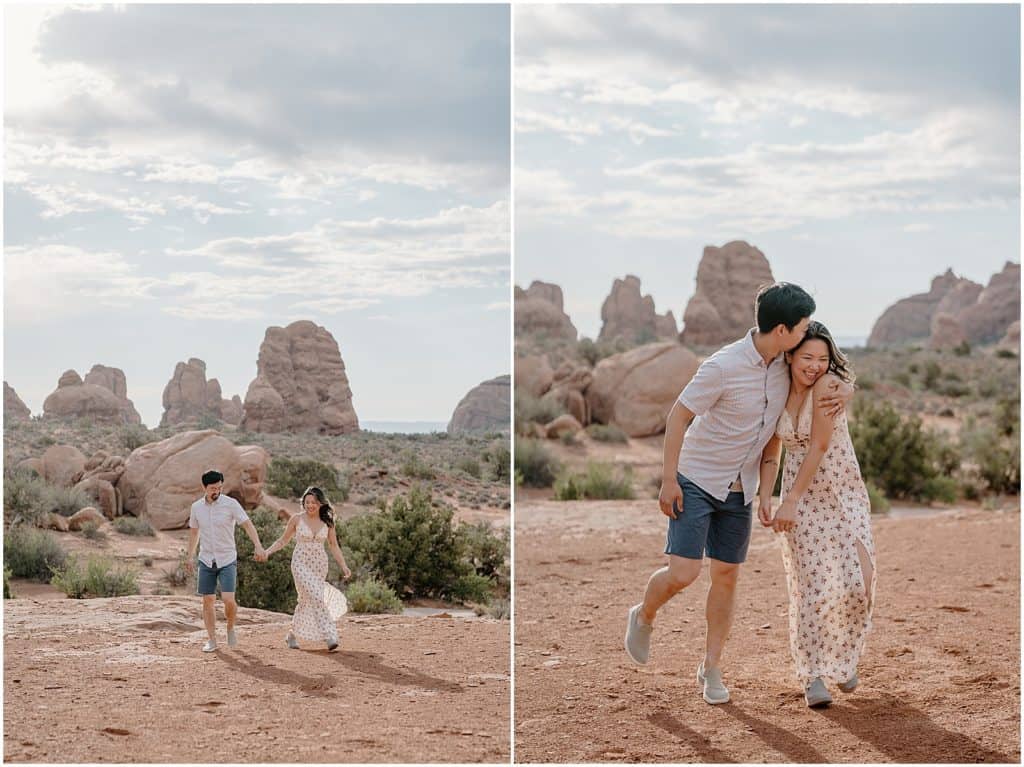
(249, 664)
(906, 734)
(369, 664)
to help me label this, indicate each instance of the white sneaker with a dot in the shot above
(232, 639)
(290, 639)
(714, 691)
(210, 646)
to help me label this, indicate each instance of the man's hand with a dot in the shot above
(670, 494)
(190, 565)
(260, 555)
(785, 517)
(837, 398)
(764, 512)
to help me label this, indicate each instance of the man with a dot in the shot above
(713, 441)
(211, 524)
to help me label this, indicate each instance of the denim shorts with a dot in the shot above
(209, 577)
(721, 528)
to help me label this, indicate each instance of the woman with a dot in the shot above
(827, 548)
(320, 604)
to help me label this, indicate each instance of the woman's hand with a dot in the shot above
(764, 511)
(785, 517)
(345, 572)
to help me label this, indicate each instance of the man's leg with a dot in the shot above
(719, 610)
(230, 608)
(666, 583)
(210, 616)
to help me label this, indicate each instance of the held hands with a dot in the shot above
(671, 495)
(764, 511)
(785, 517)
(260, 555)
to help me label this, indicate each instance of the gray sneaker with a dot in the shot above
(232, 639)
(714, 691)
(210, 646)
(638, 637)
(850, 684)
(290, 639)
(817, 695)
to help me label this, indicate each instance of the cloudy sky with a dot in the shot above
(864, 149)
(180, 178)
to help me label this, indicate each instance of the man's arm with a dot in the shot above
(836, 398)
(193, 543)
(250, 530)
(679, 420)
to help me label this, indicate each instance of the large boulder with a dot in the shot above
(189, 397)
(102, 397)
(997, 307)
(484, 408)
(14, 408)
(162, 479)
(1011, 341)
(722, 309)
(567, 389)
(534, 374)
(629, 315)
(82, 517)
(910, 319)
(300, 384)
(62, 465)
(539, 312)
(99, 481)
(635, 390)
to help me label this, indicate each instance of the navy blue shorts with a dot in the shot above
(722, 528)
(206, 582)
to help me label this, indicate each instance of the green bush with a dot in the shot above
(940, 488)
(179, 575)
(1006, 354)
(568, 439)
(593, 352)
(7, 584)
(100, 576)
(32, 553)
(500, 609)
(369, 595)
(535, 464)
(469, 466)
(414, 466)
(129, 525)
(93, 531)
(996, 457)
(289, 478)
(471, 588)
(135, 436)
(932, 372)
(487, 552)
(265, 585)
(530, 409)
(65, 500)
(962, 349)
(498, 460)
(24, 493)
(600, 481)
(607, 433)
(879, 503)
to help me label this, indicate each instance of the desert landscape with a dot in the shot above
(936, 427)
(96, 506)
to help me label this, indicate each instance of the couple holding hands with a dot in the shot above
(212, 521)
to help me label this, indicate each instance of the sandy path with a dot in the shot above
(940, 677)
(123, 680)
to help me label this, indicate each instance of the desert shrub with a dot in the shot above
(129, 525)
(135, 436)
(147, 561)
(487, 552)
(412, 546)
(179, 575)
(498, 460)
(266, 585)
(996, 457)
(471, 588)
(593, 352)
(568, 439)
(530, 409)
(1006, 354)
(607, 433)
(207, 421)
(414, 466)
(369, 595)
(289, 478)
(600, 481)
(1007, 415)
(500, 609)
(93, 531)
(32, 553)
(65, 500)
(7, 584)
(932, 371)
(953, 388)
(469, 466)
(940, 488)
(100, 576)
(895, 454)
(962, 349)
(535, 464)
(879, 503)
(24, 492)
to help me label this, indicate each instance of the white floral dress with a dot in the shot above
(320, 604)
(829, 609)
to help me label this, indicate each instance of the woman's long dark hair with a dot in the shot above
(837, 361)
(326, 513)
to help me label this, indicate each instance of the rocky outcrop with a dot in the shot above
(567, 389)
(635, 390)
(101, 397)
(910, 319)
(534, 374)
(947, 333)
(1011, 340)
(300, 384)
(189, 397)
(14, 408)
(162, 479)
(62, 465)
(628, 315)
(539, 312)
(83, 517)
(484, 408)
(997, 307)
(99, 481)
(564, 424)
(722, 309)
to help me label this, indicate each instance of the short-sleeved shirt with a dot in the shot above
(737, 400)
(216, 522)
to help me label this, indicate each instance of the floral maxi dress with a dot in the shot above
(829, 609)
(320, 605)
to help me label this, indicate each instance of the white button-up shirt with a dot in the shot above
(737, 400)
(216, 522)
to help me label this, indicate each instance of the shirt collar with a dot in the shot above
(753, 354)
